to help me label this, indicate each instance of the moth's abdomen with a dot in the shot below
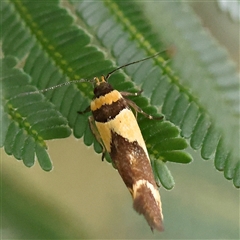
(146, 201)
(135, 169)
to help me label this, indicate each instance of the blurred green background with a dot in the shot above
(84, 198)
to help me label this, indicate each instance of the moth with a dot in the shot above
(116, 129)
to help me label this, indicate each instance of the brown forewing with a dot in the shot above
(133, 165)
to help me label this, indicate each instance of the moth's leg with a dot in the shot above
(96, 135)
(94, 130)
(135, 106)
(126, 94)
(139, 110)
(158, 184)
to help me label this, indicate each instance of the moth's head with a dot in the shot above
(101, 87)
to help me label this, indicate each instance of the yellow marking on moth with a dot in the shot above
(153, 190)
(125, 125)
(105, 133)
(108, 99)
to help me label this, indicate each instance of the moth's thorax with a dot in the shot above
(107, 103)
(102, 87)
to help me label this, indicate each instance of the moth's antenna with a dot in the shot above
(54, 87)
(125, 65)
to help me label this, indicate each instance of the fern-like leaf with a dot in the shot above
(57, 49)
(206, 69)
(178, 105)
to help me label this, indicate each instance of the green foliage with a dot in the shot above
(53, 42)
(27, 120)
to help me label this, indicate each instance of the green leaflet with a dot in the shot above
(57, 49)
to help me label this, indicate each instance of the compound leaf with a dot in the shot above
(58, 42)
